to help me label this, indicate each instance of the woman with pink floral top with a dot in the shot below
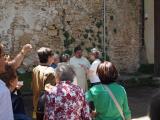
(65, 101)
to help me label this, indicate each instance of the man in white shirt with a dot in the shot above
(81, 64)
(6, 112)
(94, 56)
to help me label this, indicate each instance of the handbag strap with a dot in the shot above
(115, 101)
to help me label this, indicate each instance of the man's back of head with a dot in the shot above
(44, 53)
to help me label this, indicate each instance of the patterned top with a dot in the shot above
(66, 101)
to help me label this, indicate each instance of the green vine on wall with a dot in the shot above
(99, 23)
(68, 39)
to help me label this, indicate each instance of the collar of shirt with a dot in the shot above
(65, 82)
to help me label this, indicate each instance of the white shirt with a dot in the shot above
(80, 66)
(6, 112)
(93, 77)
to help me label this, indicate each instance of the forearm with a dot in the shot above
(16, 62)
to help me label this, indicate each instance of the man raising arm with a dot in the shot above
(6, 112)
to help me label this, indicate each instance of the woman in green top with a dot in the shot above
(104, 106)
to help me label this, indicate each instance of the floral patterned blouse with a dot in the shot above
(66, 101)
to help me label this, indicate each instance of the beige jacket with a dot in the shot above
(41, 75)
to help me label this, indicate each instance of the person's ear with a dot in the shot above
(11, 83)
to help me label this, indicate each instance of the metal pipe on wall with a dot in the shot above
(104, 29)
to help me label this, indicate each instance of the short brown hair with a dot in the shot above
(44, 53)
(107, 72)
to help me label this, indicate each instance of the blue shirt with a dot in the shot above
(6, 112)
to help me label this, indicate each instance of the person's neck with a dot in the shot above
(78, 57)
(11, 89)
(45, 64)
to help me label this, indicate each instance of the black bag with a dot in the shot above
(41, 106)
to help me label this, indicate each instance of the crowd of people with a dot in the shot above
(64, 87)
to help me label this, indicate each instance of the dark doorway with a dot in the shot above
(157, 38)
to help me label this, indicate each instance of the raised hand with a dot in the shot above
(26, 48)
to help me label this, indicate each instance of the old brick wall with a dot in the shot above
(63, 24)
(124, 33)
(58, 24)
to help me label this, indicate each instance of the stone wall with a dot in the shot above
(63, 24)
(124, 33)
(58, 24)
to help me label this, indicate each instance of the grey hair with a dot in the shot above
(65, 72)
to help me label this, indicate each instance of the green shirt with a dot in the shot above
(105, 107)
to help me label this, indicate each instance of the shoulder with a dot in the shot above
(97, 61)
(72, 58)
(77, 89)
(117, 87)
(3, 87)
(4, 91)
(95, 88)
(42, 68)
(36, 68)
(93, 91)
(49, 70)
(114, 84)
(84, 58)
(50, 89)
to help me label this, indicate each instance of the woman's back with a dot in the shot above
(66, 101)
(104, 105)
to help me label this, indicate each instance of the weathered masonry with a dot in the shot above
(63, 24)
